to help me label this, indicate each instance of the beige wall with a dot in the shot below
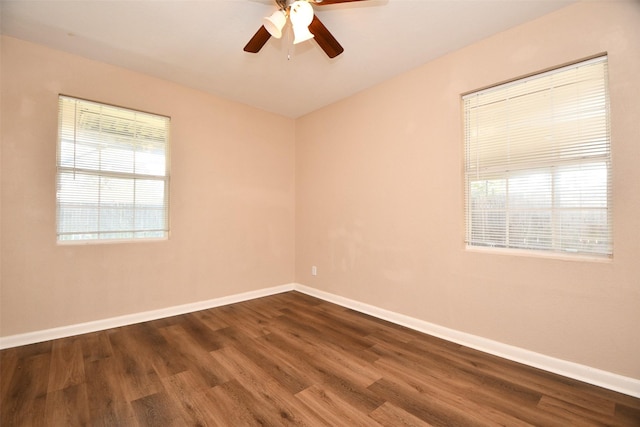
(232, 199)
(379, 200)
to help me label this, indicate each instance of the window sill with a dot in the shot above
(108, 242)
(540, 254)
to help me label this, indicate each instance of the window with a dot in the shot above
(112, 179)
(538, 162)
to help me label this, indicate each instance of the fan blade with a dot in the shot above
(258, 40)
(326, 2)
(327, 42)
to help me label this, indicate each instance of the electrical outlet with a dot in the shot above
(314, 270)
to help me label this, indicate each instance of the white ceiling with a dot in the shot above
(199, 43)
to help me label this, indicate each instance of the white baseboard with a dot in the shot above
(130, 319)
(587, 374)
(598, 377)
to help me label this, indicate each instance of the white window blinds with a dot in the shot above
(112, 178)
(538, 162)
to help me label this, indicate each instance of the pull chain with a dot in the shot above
(290, 46)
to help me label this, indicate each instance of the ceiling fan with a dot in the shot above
(305, 23)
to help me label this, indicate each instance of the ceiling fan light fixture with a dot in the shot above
(301, 14)
(304, 23)
(301, 34)
(275, 23)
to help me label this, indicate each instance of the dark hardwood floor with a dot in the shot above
(287, 359)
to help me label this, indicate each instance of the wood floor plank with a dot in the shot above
(447, 395)
(67, 364)
(152, 348)
(196, 359)
(522, 403)
(423, 406)
(296, 327)
(139, 378)
(358, 396)
(511, 375)
(211, 319)
(251, 325)
(335, 358)
(233, 405)
(287, 373)
(283, 349)
(208, 406)
(186, 390)
(575, 413)
(288, 299)
(96, 346)
(36, 349)
(157, 410)
(265, 307)
(332, 409)
(627, 415)
(24, 402)
(200, 332)
(8, 367)
(264, 389)
(68, 406)
(390, 415)
(330, 327)
(548, 384)
(286, 360)
(108, 405)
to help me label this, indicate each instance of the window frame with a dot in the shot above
(506, 172)
(136, 178)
